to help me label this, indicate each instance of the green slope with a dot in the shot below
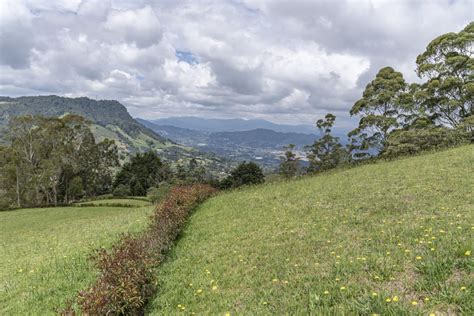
(388, 238)
(44, 252)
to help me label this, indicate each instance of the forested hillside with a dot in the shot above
(108, 119)
(105, 113)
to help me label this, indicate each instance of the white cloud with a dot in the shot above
(288, 61)
(140, 26)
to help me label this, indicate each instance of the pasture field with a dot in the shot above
(44, 252)
(391, 238)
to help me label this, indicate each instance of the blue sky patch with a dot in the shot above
(187, 57)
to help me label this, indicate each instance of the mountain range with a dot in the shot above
(264, 146)
(232, 125)
(108, 119)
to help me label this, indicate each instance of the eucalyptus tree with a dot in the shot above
(382, 102)
(46, 154)
(448, 65)
(327, 152)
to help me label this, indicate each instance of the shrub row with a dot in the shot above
(126, 280)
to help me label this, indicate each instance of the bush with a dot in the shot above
(413, 141)
(126, 281)
(157, 194)
(106, 196)
(121, 191)
(245, 173)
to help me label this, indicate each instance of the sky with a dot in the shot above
(285, 61)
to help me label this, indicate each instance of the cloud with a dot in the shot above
(287, 61)
(15, 23)
(140, 27)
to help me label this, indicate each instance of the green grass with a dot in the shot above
(339, 243)
(115, 202)
(44, 252)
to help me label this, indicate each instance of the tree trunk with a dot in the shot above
(17, 188)
(55, 195)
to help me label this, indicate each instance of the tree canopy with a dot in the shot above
(142, 172)
(46, 155)
(379, 107)
(448, 65)
(327, 152)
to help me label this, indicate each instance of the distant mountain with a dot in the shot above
(232, 125)
(261, 145)
(109, 119)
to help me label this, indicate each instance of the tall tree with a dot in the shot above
(290, 163)
(379, 109)
(142, 172)
(327, 152)
(448, 65)
(47, 153)
(9, 185)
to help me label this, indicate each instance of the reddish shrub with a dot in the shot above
(126, 279)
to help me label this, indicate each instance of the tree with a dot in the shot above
(327, 152)
(46, 153)
(142, 172)
(379, 108)
(75, 188)
(290, 164)
(181, 173)
(9, 186)
(245, 173)
(97, 165)
(448, 65)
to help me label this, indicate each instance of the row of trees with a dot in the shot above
(53, 161)
(397, 118)
(147, 174)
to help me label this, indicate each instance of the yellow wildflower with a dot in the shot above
(467, 253)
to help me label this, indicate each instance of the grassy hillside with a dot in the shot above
(389, 238)
(44, 252)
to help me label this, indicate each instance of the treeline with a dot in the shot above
(52, 161)
(55, 161)
(146, 174)
(397, 118)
